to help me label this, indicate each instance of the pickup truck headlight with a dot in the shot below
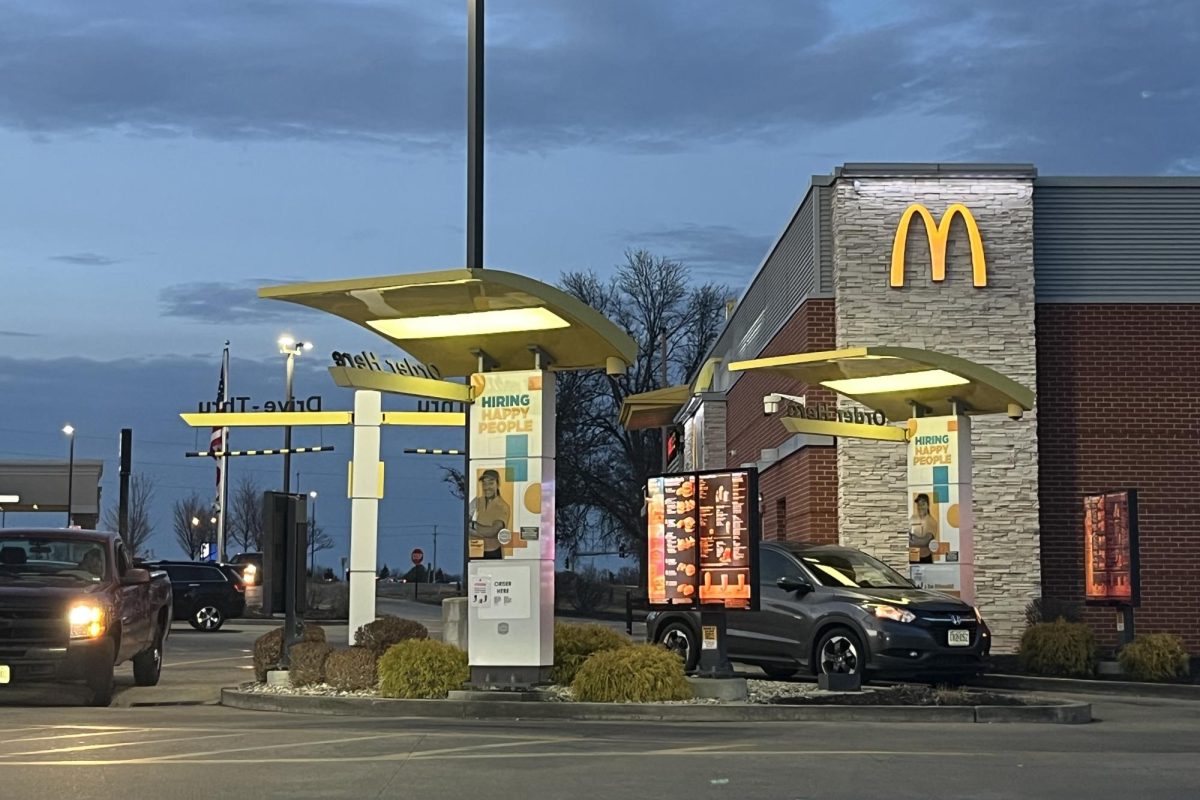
(87, 621)
(891, 612)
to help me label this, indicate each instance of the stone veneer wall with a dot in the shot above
(992, 325)
(713, 454)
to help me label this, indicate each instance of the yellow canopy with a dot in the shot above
(654, 409)
(441, 317)
(892, 379)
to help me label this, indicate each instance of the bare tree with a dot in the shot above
(457, 481)
(318, 540)
(192, 520)
(140, 527)
(244, 524)
(601, 468)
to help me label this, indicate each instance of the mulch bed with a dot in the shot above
(903, 696)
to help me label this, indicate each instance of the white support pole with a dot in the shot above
(365, 492)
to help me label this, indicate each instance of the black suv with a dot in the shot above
(835, 609)
(206, 593)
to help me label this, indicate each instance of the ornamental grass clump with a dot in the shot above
(422, 668)
(1154, 657)
(352, 669)
(642, 673)
(573, 644)
(387, 631)
(268, 648)
(308, 663)
(1059, 648)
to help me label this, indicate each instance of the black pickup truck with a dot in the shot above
(73, 606)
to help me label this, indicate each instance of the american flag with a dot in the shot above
(218, 442)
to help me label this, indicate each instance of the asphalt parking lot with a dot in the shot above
(174, 740)
(1139, 748)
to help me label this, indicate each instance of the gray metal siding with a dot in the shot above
(787, 278)
(1116, 241)
(825, 236)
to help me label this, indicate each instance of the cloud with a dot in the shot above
(87, 259)
(19, 334)
(717, 252)
(226, 303)
(1090, 85)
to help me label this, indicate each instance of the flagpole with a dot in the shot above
(223, 488)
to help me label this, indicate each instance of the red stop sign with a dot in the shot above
(417, 555)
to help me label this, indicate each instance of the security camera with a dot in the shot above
(1015, 411)
(771, 404)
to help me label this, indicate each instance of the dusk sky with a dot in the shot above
(161, 160)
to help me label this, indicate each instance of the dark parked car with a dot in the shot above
(206, 593)
(251, 566)
(838, 610)
(73, 606)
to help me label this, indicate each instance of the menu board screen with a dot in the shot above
(702, 534)
(1110, 548)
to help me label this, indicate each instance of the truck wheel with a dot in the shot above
(100, 681)
(147, 665)
(207, 618)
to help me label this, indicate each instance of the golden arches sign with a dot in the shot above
(938, 233)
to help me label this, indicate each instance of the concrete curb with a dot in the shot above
(1071, 713)
(1026, 683)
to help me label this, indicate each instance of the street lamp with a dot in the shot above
(291, 348)
(70, 432)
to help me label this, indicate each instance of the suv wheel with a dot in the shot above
(207, 617)
(679, 639)
(840, 652)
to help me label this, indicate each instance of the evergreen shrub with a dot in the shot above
(422, 668)
(642, 673)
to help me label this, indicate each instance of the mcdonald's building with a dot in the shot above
(1084, 290)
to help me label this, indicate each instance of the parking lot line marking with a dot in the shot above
(108, 745)
(112, 732)
(587, 754)
(164, 759)
(496, 745)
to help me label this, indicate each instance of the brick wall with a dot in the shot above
(992, 325)
(1117, 409)
(806, 479)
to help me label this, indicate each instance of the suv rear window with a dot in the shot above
(181, 573)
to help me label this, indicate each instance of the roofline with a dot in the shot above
(885, 169)
(815, 181)
(1124, 181)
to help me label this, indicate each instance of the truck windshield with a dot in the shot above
(47, 560)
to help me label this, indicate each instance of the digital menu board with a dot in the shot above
(1110, 548)
(702, 534)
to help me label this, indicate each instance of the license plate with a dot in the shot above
(958, 638)
(5, 674)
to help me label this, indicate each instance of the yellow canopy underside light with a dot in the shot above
(904, 382)
(472, 323)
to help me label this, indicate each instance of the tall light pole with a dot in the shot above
(70, 432)
(289, 347)
(312, 532)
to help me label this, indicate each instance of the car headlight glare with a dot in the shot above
(891, 612)
(87, 622)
